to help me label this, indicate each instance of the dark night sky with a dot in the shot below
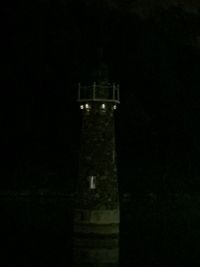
(152, 49)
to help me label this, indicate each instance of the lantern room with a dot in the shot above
(103, 92)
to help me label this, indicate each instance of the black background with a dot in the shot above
(151, 49)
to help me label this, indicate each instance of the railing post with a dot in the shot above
(113, 96)
(94, 90)
(118, 92)
(79, 91)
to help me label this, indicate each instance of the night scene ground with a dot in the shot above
(152, 49)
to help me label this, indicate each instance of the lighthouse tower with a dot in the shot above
(96, 207)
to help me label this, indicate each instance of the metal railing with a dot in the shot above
(99, 92)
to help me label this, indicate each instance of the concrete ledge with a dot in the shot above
(97, 216)
(98, 242)
(109, 229)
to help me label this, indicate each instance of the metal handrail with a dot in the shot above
(93, 93)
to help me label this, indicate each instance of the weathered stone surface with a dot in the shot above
(97, 158)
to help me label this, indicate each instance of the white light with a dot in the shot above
(87, 106)
(103, 106)
(92, 180)
(114, 107)
(81, 107)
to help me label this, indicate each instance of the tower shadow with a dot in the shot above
(96, 251)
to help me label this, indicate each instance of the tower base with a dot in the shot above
(102, 222)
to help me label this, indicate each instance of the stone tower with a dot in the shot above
(96, 207)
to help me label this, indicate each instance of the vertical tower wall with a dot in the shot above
(97, 202)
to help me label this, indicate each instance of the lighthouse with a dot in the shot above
(96, 202)
(96, 205)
